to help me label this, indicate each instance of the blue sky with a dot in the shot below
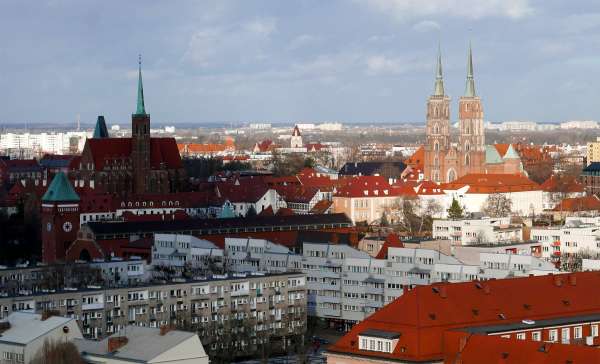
(295, 60)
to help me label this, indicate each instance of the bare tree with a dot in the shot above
(54, 352)
(497, 205)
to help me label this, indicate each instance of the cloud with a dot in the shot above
(241, 43)
(379, 64)
(404, 10)
(301, 41)
(426, 26)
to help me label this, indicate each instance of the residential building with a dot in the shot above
(178, 251)
(593, 151)
(272, 308)
(260, 255)
(135, 344)
(579, 124)
(435, 323)
(23, 334)
(477, 231)
(590, 177)
(392, 171)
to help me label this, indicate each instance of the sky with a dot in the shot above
(295, 60)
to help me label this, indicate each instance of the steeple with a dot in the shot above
(439, 79)
(60, 190)
(100, 131)
(470, 86)
(140, 110)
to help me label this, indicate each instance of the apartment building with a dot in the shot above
(230, 312)
(260, 255)
(577, 235)
(477, 231)
(178, 251)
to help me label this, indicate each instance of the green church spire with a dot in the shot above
(439, 79)
(140, 110)
(470, 86)
(100, 131)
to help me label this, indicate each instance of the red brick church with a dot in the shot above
(446, 160)
(140, 164)
(124, 167)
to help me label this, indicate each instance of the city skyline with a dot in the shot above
(227, 61)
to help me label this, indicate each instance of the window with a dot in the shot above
(577, 332)
(552, 335)
(566, 335)
(521, 336)
(536, 336)
(594, 330)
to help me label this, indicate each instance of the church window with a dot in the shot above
(467, 147)
(451, 175)
(436, 146)
(436, 129)
(436, 162)
(467, 160)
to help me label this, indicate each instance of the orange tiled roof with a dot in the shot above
(493, 183)
(417, 160)
(567, 184)
(587, 203)
(392, 241)
(423, 315)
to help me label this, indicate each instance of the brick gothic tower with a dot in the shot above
(140, 140)
(60, 218)
(438, 129)
(472, 138)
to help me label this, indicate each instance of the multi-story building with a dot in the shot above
(40, 143)
(593, 151)
(180, 251)
(231, 313)
(260, 255)
(477, 231)
(590, 178)
(576, 236)
(447, 322)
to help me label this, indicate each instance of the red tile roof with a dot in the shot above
(501, 148)
(422, 315)
(587, 203)
(392, 241)
(163, 151)
(497, 350)
(296, 194)
(365, 186)
(242, 191)
(493, 183)
(321, 207)
(565, 184)
(417, 160)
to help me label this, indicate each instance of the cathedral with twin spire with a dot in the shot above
(446, 158)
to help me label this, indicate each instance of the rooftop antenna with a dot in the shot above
(78, 122)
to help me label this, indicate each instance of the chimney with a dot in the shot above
(5, 325)
(165, 329)
(117, 342)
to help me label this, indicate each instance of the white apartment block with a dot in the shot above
(259, 255)
(573, 237)
(52, 143)
(477, 231)
(177, 251)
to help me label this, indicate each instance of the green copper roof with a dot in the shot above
(439, 79)
(60, 190)
(100, 131)
(470, 86)
(141, 109)
(511, 153)
(491, 155)
(226, 212)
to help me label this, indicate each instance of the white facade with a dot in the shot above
(27, 333)
(176, 250)
(477, 231)
(574, 237)
(53, 143)
(524, 203)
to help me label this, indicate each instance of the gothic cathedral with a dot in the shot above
(446, 161)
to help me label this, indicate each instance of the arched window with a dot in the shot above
(467, 160)
(451, 175)
(436, 146)
(467, 146)
(436, 162)
(436, 129)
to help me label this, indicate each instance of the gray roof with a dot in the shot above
(380, 333)
(25, 327)
(143, 343)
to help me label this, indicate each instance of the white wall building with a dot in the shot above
(573, 237)
(23, 334)
(174, 250)
(52, 143)
(477, 231)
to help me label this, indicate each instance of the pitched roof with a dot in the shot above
(586, 203)
(296, 194)
(492, 156)
(391, 241)
(511, 153)
(60, 190)
(417, 159)
(365, 186)
(566, 184)
(501, 148)
(26, 327)
(245, 191)
(163, 152)
(423, 314)
(495, 349)
(321, 207)
(493, 183)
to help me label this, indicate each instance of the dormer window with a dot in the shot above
(378, 340)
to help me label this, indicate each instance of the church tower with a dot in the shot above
(472, 138)
(438, 128)
(296, 140)
(60, 218)
(140, 140)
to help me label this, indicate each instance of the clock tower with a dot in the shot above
(60, 218)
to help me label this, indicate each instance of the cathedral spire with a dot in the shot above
(140, 110)
(470, 86)
(439, 79)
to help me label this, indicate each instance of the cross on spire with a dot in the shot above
(140, 109)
